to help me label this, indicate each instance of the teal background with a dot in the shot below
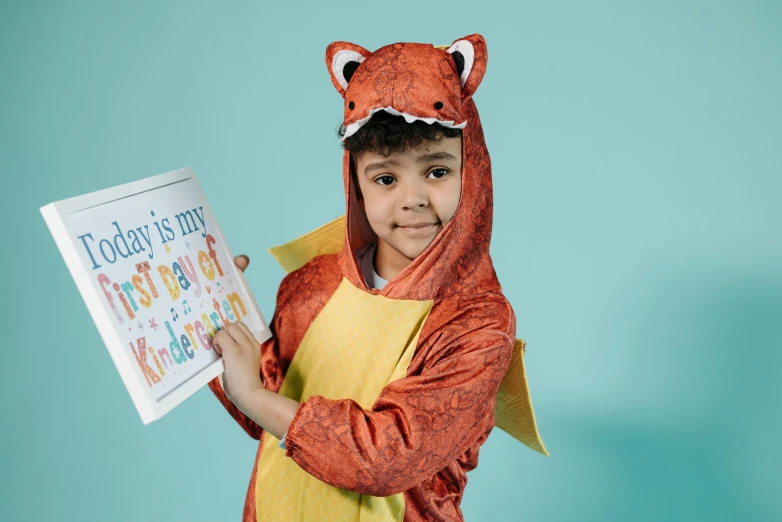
(637, 156)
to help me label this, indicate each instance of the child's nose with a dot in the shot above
(415, 196)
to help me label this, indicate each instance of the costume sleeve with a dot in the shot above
(270, 376)
(418, 425)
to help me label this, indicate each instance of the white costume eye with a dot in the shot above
(463, 51)
(344, 64)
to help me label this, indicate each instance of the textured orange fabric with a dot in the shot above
(424, 431)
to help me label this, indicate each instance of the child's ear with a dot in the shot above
(342, 60)
(470, 56)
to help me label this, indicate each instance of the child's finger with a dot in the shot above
(247, 332)
(242, 261)
(216, 346)
(224, 341)
(236, 334)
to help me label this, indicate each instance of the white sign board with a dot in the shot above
(159, 280)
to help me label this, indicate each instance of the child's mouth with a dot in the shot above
(419, 229)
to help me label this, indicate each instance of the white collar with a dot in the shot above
(371, 277)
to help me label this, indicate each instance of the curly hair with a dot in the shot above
(386, 134)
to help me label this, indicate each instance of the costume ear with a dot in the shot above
(342, 59)
(470, 56)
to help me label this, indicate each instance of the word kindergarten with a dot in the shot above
(159, 281)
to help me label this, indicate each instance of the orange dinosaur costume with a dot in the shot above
(398, 386)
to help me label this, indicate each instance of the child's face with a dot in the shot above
(409, 196)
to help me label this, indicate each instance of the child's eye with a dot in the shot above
(442, 172)
(390, 180)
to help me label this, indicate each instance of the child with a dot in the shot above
(391, 333)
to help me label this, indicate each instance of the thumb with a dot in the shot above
(241, 262)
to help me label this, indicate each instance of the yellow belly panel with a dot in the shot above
(358, 343)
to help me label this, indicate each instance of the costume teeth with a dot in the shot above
(409, 118)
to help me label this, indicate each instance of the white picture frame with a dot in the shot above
(69, 219)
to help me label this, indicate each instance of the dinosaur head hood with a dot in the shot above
(435, 85)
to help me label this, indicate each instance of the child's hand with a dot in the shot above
(241, 261)
(242, 358)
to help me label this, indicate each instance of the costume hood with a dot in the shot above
(435, 85)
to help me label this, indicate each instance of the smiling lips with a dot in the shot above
(418, 229)
(418, 225)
